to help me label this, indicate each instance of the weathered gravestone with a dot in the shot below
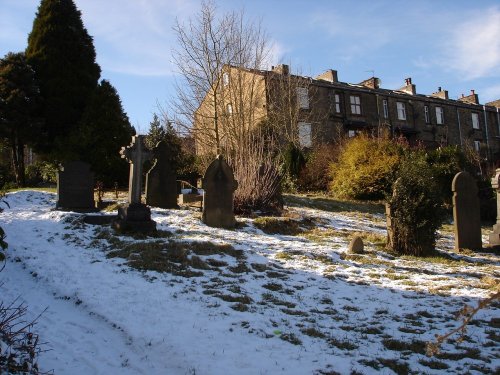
(135, 216)
(466, 217)
(75, 187)
(356, 245)
(495, 236)
(219, 186)
(161, 184)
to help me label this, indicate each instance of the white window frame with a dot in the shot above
(229, 109)
(337, 103)
(439, 115)
(225, 78)
(475, 120)
(385, 105)
(355, 101)
(477, 146)
(305, 138)
(427, 114)
(351, 133)
(303, 97)
(401, 107)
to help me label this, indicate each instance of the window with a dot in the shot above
(439, 116)
(305, 134)
(475, 121)
(225, 79)
(351, 133)
(303, 97)
(401, 110)
(426, 114)
(337, 103)
(477, 146)
(386, 108)
(355, 105)
(229, 109)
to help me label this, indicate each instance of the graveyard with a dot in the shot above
(271, 295)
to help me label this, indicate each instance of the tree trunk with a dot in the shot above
(18, 160)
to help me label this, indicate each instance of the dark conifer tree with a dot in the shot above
(19, 99)
(62, 54)
(102, 131)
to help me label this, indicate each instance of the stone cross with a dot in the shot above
(136, 154)
(495, 236)
(466, 216)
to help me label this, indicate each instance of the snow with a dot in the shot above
(105, 317)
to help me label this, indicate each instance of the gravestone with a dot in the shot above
(219, 186)
(75, 187)
(161, 184)
(135, 216)
(356, 245)
(495, 236)
(466, 217)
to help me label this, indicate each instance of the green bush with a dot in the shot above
(416, 207)
(41, 172)
(366, 168)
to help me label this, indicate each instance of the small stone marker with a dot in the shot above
(75, 187)
(161, 184)
(219, 186)
(135, 216)
(466, 217)
(495, 236)
(356, 246)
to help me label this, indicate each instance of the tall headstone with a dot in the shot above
(219, 186)
(161, 181)
(466, 217)
(135, 216)
(75, 187)
(495, 236)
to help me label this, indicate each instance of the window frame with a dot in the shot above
(302, 97)
(385, 108)
(401, 109)
(427, 114)
(355, 105)
(477, 146)
(229, 109)
(475, 124)
(439, 115)
(336, 100)
(225, 79)
(305, 138)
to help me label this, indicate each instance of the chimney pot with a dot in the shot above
(472, 92)
(439, 88)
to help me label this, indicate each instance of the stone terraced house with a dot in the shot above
(326, 108)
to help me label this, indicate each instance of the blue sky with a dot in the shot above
(449, 43)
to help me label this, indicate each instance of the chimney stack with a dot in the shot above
(330, 76)
(409, 87)
(472, 98)
(442, 94)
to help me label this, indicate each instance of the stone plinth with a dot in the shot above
(134, 217)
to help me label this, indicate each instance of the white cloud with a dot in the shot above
(473, 47)
(490, 93)
(276, 53)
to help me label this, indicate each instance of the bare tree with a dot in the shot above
(214, 55)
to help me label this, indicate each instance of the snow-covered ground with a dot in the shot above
(240, 301)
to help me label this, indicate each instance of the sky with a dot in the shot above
(452, 44)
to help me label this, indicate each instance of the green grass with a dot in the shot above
(47, 189)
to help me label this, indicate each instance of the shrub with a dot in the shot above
(416, 207)
(41, 172)
(366, 167)
(314, 175)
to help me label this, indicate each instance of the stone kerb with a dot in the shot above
(219, 185)
(466, 216)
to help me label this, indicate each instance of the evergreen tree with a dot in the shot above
(156, 132)
(63, 57)
(101, 133)
(19, 96)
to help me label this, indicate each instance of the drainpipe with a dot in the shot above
(487, 138)
(378, 116)
(459, 127)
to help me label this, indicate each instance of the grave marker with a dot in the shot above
(466, 217)
(75, 187)
(219, 186)
(161, 184)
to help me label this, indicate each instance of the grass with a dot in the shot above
(283, 225)
(326, 203)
